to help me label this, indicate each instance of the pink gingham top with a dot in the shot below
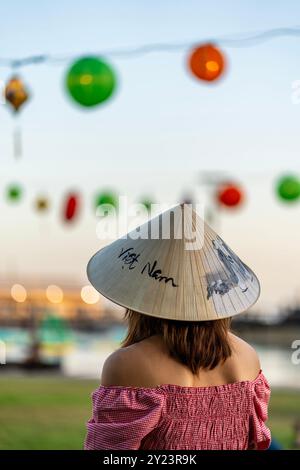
(174, 417)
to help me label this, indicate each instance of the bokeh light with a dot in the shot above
(89, 295)
(18, 293)
(54, 294)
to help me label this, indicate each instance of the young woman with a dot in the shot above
(181, 380)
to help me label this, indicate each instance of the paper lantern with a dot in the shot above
(16, 93)
(41, 204)
(230, 195)
(288, 188)
(207, 62)
(106, 198)
(71, 207)
(14, 193)
(90, 81)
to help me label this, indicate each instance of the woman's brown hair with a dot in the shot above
(198, 345)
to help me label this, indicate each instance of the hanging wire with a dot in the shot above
(237, 40)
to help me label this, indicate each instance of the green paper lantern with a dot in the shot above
(106, 198)
(90, 81)
(288, 188)
(14, 193)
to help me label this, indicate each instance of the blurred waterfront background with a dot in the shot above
(160, 135)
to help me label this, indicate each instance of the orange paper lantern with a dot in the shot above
(16, 93)
(207, 63)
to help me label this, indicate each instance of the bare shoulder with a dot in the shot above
(245, 358)
(242, 347)
(124, 366)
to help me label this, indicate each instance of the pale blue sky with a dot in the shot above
(160, 130)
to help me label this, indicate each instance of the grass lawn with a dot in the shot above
(50, 413)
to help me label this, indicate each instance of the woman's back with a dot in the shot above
(149, 400)
(149, 364)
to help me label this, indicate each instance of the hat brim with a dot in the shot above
(159, 278)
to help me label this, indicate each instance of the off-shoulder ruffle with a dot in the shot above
(230, 416)
(260, 435)
(192, 390)
(122, 417)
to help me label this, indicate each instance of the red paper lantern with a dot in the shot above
(230, 195)
(71, 207)
(207, 62)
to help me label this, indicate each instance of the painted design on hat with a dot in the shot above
(131, 259)
(237, 271)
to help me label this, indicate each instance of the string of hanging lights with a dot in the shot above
(91, 80)
(71, 202)
(227, 194)
(248, 39)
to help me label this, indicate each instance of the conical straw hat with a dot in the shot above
(156, 270)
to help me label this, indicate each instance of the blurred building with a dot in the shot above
(82, 308)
